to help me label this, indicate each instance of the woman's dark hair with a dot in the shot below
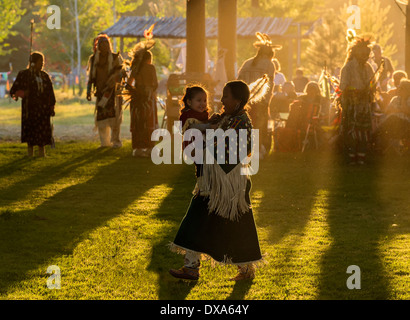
(239, 91)
(147, 56)
(312, 85)
(100, 38)
(404, 86)
(190, 93)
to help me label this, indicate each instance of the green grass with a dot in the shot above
(74, 119)
(105, 218)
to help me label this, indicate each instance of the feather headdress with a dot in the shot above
(265, 41)
(358, 40)
(258, 89)
(137, 53)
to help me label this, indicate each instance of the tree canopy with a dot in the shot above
(11, 13)
(327, 43)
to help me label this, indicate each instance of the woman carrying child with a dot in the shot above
(219, 222)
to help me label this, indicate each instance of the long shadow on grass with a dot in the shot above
(240, 289)
(284, 193)
(358, 218)
(46, 175)
(289, 183)
(67, 217)
(16, 164)
(173, 209)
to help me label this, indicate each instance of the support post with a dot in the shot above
(407, 42)
(195, 36)
(227, 18)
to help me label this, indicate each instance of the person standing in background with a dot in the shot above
(252, 70)
(388, 69)
(104, 69)
(357, 98)
(34, 87)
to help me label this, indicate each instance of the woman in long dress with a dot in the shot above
(34, 86)
(143, 108)
(219, 222)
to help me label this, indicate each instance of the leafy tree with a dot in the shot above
(66, 48)
(11, 13)
(326, 44)
(374, 20)
(328, 41)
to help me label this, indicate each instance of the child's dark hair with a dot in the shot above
(190, 93)
(239, 91)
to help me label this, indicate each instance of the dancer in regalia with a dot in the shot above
(105, 73)
(34, 86)
(358, 87)
(141, 91)
(253, 69)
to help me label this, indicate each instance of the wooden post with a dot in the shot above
(195, 36)
(290, 60)
(407, 42)
(227, 34)
(299, 44)
(122, 45)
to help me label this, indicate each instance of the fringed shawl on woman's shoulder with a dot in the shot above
(225, 184)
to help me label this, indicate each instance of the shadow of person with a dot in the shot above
(240, 289)
(9, 168)
(48, 174)
(162, 259)
(358, 218)
(32, 237)
(283, 202)
(169, 288)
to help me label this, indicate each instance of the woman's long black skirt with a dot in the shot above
(226, 241)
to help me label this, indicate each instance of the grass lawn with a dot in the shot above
(105, 219)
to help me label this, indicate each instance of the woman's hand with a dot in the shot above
(215, 118)
(19, 94)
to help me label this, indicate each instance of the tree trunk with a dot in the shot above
(407, 50)
(77, 24)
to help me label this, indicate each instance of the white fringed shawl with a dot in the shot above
(226, 191)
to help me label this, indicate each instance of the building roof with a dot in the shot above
(175, 27)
